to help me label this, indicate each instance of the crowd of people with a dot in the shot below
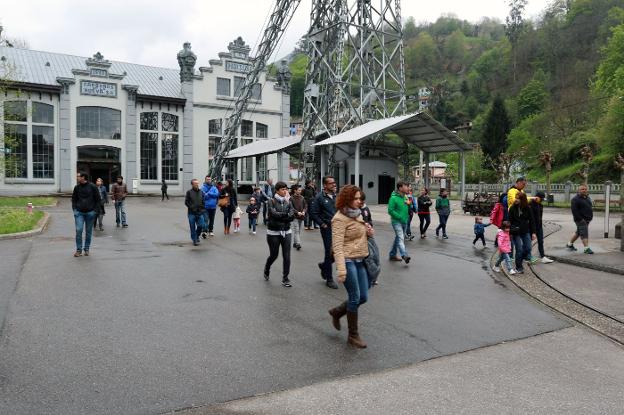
(345, 224)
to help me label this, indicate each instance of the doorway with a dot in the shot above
(100, 162)
(385, 189)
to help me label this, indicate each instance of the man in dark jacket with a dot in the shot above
(269, 191)
(195, 201)
(583, 213)
(85, 202)
(119, 191)
(537, 210)
(322, 211)
(309, 193)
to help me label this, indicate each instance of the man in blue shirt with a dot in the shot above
(211, 196)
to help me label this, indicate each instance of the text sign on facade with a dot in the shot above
(237, 67)
(99, 72)
(100, 89)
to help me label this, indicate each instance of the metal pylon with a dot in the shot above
(355, 72)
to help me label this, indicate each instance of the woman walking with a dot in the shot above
(424, 216)
(103, 200)
(443, 207)
(350, 245)
(522, 229)
(280, 213)
(229, 205)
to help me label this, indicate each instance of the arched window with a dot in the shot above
(98, 122)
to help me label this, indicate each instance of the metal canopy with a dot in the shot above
(419, 129)
(262, 147)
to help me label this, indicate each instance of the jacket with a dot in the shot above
(497, 215)
(163, 186)
(504, 242)
(424, 203)
(259, 196)
(211, 195)
(521, 220)
(323, 209)
(119, 192)
(366, 215)
(280, 214)
(398, 208)
(309, 193)
(443, 206)
(253, 208)
(233, 199)
(537, 210)
(194, 201)
(349, 240)
(299, 203)
(479, 228)
(85, 197)
(512, 193)
(269, 191)
(412, 204)
(582, 208)
(103, 194)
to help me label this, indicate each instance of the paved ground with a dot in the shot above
(148, 323)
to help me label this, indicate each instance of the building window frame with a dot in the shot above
(162, 129)
(221, 86)
(98, 120)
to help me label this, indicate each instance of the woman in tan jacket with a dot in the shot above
(350, 245)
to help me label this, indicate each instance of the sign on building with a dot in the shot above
(100, 89)
(237, 67)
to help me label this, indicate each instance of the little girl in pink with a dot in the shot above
(504, 248)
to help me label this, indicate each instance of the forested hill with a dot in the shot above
(559, 81)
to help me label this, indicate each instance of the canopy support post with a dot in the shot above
(357, 164)
(427, 178)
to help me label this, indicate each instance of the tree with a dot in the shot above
(496, 129)
(422, 57)
(409, 28)
(546, 159)
(532, 98)
(610, 73)
(587, 155)
(514, 28)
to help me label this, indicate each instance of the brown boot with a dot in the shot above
(354, 338)
(337, 313)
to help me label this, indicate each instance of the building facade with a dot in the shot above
(63, 114)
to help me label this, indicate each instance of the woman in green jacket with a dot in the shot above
(443, 207)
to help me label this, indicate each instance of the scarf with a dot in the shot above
(352, 213)
(282, 199)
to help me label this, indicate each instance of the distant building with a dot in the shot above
(64, 114)
(424, 95)
(437, 171)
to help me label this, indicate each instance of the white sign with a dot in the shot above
(237, 67)
(100, 89)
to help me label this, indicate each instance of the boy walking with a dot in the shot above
(398, 209)
(479, 230)
(252, 213)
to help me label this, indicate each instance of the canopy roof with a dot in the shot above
(265, 146)
(419, 129)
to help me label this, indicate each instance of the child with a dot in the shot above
(504, 248)
(366, 213)
(479, 230)
(236, 216)
(252, 213)
(300, 205)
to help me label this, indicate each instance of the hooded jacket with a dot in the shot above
(211, 195)
(398, 208)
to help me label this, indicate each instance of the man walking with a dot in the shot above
(269, 192)
(85, 202)
(583, 213)
(163, 190)
(537, 209)
(119, 191)
(398, 209)
(322, 211)
(195, 203)
(309, 193)
(211, 197)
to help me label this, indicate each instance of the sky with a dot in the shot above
(152, 32)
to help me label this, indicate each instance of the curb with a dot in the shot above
(588, 265)
(43, 223)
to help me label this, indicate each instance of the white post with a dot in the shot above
(462, 189)
(420, 169)
(279, 166)
(357, 164)
(607, 203)
(427, 178)
(323, 162)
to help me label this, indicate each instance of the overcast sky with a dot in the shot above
(152, 32)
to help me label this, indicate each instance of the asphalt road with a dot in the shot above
(148, 323)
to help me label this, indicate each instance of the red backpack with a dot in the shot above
(496, 216)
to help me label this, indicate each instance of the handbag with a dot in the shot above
(224, 202)
(372, 262)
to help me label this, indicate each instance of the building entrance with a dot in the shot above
(385, 189)
(100, 162)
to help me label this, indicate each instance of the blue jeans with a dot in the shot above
(356, 284)
(326, 265)
(504, 257)
(120, 212)
(399, 242)
(252, 223)
(209, 216)
(522, 244)
(196, 223)
(442, 225)
(84, 220)
(408, 227)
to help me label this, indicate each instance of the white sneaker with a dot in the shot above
(512, 272)
(546, 260)
(211, 233)
(496, 269)
(254, 232)
(236, 230)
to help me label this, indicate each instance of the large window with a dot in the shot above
(159, 127)
(239, 81)
(98, 122)
(262, 130)
(261, 165)
(223, 87)
(214, 126)
(256, 92)
(246, 128)
(22, 118)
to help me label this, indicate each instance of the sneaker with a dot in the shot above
(118, 225)
(86, 252)
(395, 258)
(406, 258)
(520, 271)
(588, 251)
(571, 247)
(286, 283)
(125, 225)
(254, 232)
(444, 237)
(203, 235)
(512, 272)
(195, 243)
(496, 269)
(331, 284)
(437, 233)
(78, 253)
(211, 233)
(266, 276)
(534, 260)
(546, 260)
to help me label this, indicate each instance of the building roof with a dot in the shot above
(265, 146)
(42, 68)
(419, 129)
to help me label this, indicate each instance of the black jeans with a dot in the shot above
(274, 242)
(164, 194)
(264, 212)
(540, 241)
(425, 220)
(479, 236)
(209, 216)
(326, 265)
(227, 217)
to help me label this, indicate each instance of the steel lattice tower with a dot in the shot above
(356, 69)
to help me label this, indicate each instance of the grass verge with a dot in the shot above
(17, 220)
(22, 201)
